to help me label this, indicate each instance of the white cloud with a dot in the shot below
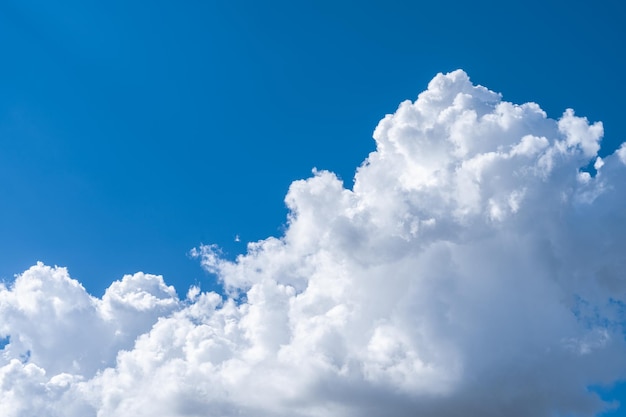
(473, 269)
(621, 153)
(53, 323)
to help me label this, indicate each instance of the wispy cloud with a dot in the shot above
(475, 268)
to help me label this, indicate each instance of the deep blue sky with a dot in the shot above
(131, 132)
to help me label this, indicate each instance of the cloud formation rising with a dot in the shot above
(476, 268)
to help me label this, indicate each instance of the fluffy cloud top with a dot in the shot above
(476, 268)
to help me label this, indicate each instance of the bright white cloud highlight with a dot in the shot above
(475, 268)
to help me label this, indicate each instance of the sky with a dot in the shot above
(475, 262)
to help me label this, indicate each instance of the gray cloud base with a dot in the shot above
(475, 268)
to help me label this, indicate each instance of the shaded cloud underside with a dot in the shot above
(475, 268)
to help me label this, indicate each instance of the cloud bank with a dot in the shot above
(475, 268)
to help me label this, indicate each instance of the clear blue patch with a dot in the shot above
(4, 341)
(612, 394)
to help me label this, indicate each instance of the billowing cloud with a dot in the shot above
(475, 268)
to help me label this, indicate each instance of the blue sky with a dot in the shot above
(132, 132)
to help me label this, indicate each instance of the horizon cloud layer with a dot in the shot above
(476, 267)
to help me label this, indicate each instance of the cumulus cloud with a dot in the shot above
(476, 267)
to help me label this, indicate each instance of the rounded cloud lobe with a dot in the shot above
(475, 268)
